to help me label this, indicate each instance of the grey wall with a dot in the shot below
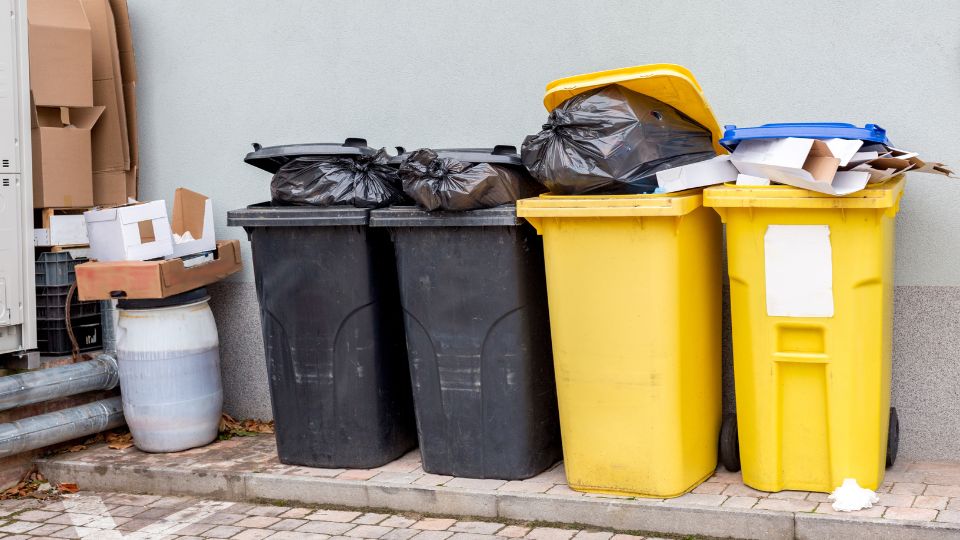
(218, 75)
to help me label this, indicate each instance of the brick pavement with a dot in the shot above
(137, 517)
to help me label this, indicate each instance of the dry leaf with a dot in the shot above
(229, 427)
(76, 448)
(68, 488)
(119, 441)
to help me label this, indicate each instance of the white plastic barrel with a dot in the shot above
(169, 361)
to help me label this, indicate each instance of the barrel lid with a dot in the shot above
(411, 216)
(501, 154)
(271, 158)
(182, 299)
(265, 214)
(598, 206)
(669, 83)
(733, 135)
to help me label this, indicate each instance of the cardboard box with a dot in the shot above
(110, 188)
(805, 163)
(111, 150)
(61, 54)
(60, 228)
(128, 76)
(62, 164)
(154, 279)
(704, 173)
(137, 232)
(193, 213)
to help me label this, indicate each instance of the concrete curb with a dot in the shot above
(611, 513)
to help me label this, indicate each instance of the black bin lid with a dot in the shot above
(411, 216)
(267, 214)
(501, 154)
(181, 299)
(271, 158)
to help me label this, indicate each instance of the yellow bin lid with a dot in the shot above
(581, 206)
(885, 195)
(670, 83)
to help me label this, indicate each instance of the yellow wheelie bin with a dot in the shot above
(634, 294)
(811, 292)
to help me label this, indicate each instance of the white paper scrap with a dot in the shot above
(747, 180)
(850, 497)
(798, 264)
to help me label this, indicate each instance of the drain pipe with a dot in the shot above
(60, 426)
(46, 384)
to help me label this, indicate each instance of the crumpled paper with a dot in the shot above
(850, 497)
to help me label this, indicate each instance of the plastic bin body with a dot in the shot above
(813, 393)
(333, 335)
(634, 289)
(478, 338)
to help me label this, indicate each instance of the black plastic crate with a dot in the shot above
(56, 269)
(51, 303)
(52, 337)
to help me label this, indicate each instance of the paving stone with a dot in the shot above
(297, 535)
(593, 535)
(930, 501)
(325, 527)
(253, 534)
(914, 514)
(793, 495)
(475, 483)
(296, 513)
(75, 532)
(155, 513)
(433, 524)
(400, 534)
(370, 519)
(432, 480)
(476, 527)
(948, 516)
(357, 474)
(953, 504)
(287, 524)
(626, 537)
(45, 530)
(367, 531)
(338, 516)
(191, 528)
(908, 488)
(942, 491)
(399, 522)
(128, 499)
(522, 486)
(564, 489)
(550, 533)
(556, 475)
(107, 522)
(36, 515)
(221, 531)
(900, 501)
(785, 505)
(472, 536)
(272, 511)
(740, 490)
(710, 488)
(173, 502)
(19, 527)
(257, 522)
(739, 502)
(432, 535)
(698, 499)
(390, 477)
(819, 497)
(872, 512)
(513, 531)
(127, 511)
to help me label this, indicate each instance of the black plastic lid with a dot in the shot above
(181, 299)
(265, 214)
(411, 216)
(272, 158)
(502, 154)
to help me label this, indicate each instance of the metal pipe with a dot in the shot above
(60, 426)
(46, 384)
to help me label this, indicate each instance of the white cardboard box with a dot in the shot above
(64, 230)
(704, 173)
(193, 213)
(136, 232)
(805, 163)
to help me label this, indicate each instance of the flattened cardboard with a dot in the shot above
(136, 232)
(61, 54)
(62, 163)
(111, 150)
(192, 212)
(705, 173)
(154, 279)
(128, 72)
(804, 163)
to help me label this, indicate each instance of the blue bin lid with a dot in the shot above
(732, 135)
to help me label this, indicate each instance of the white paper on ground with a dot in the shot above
(850, 497)
(747, 180)
(798, 264)
(704, 173)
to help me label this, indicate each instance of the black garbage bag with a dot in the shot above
(364, 181)
(612, 141)
(437, 182)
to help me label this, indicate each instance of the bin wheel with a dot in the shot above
(729, 444)
(893, 438)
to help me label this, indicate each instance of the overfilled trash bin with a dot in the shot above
(811, 292)
(332, 332)
(634, 287)
(478, 337)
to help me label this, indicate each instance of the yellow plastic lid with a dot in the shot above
(885, 195)
(670, 83)
(571, 206)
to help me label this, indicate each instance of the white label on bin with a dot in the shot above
(799, 271)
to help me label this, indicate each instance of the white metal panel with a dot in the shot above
(9, 94)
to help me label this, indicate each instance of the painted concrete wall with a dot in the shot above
(220, 74)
